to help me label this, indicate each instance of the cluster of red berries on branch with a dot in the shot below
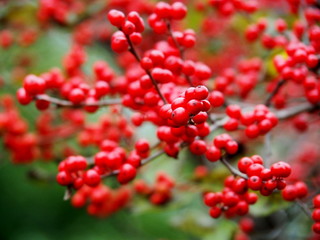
(167, 83)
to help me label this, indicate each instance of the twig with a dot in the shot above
(143, 162)
(274, 92)
(303, 207)
(234, 171)
(181, 50)
(64, 103)
(292, 111)
(133, 51)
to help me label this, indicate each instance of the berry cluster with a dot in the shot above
(160, 193)
(242, 82)
(24, 38)
(164, 82)
(258, 122)
(190, 108)
(101, 201)
(229, 7)
(316, 214)
(264, 179)
(233, 200)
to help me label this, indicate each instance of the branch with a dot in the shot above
(274, 92)
(181, 50)
(234, 171)
(143, 162)
(64, 103)
(292, 111)
(137, 57)
(303, 207)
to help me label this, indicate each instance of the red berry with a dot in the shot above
(280, 169)
(213, 154)
(254, 183)
(215, 212)
(289, 193)
(142, 146)
(180, 116)
(254, 170)
(34, 85)
(116, 18)
(91, 178)
(316, 201)
(244, 163)
(126, 173)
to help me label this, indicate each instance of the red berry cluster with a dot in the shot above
(101, 201)
(72, 173)
(130, 27)
(242, 82)
(229, 7)
(233, 200)
(190, 108)
(298, 190)
(164, 12)
(264, 179)
(24, 38)
(14, 132)
(160, 193)
(258, 122)
(58, 10)
(316, 214)
(112, 126)
(76, 90)
(221, 142)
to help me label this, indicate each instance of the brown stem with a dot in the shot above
(65, 103)
(181, 50)
(292, 111)
(137, 57)
(234, 171)
(304, 207)
(274, 92)
(143, 162)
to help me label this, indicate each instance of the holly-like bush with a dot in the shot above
(160, 104)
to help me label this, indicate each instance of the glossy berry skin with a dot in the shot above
(126, 173)
(316, 201)
(198, 147)
(180, 116)
(213, 154)
(34, 85)
(244, 163)
(211, 199)
(91, 178)
(280, 169)
(142, 146)
(116, 18)
(316, 227)
(289, 193)
(254, 170)
(216, 99)
(316, 215)
(23, 97)
(215, 212)
(254, 183)
(77, 96)
(64, 178)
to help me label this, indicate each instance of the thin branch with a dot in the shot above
(234, 171)
(304, 207)
(133, 51)
(143, 163)
(274, 92)
(181, 50)
(64, 103)
(292, 111)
